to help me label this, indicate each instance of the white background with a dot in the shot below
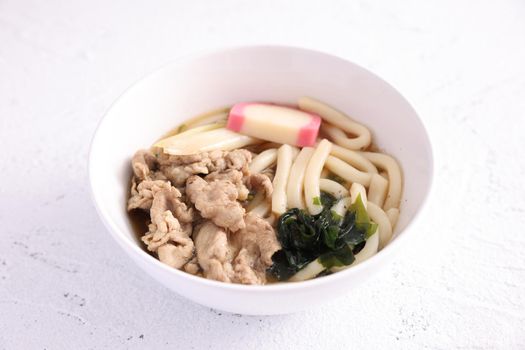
(64, 283)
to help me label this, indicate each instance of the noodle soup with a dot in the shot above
(228, 206)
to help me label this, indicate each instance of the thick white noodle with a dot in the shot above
(378, 216)
(371, 247)
(342, 205)
(393, 216)
(339, 137)
(389, 164)
(378, 190)
(295, 152)
(312, 193)
(262, 209)
(357, 189)
(285, 156)
(308, 272)
(347, 172)
(340, 120)
(372, 243)
(295, 187)
(325, 173)
(334, 188)
(354, 159)
(263, 160)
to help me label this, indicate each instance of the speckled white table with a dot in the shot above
(64, 284)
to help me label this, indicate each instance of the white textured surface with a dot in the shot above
(64, 284)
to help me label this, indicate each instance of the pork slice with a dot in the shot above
(165, 159)
(248, 269)
(143, 163)
(167, 236)
(217, 201)
(170, 199)
(265, 237)
(178, 169)
(143, 193)
(235, 177)
(169, 240)
(192, 266)
(239, 159)
(178, 174)
(214, 254)
(257, 243)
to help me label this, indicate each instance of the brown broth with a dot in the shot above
(139, 222)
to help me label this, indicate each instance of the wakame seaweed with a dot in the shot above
(327, 236)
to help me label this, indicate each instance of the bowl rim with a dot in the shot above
(130, 246)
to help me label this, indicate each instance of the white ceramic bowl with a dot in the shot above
(197, 84)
